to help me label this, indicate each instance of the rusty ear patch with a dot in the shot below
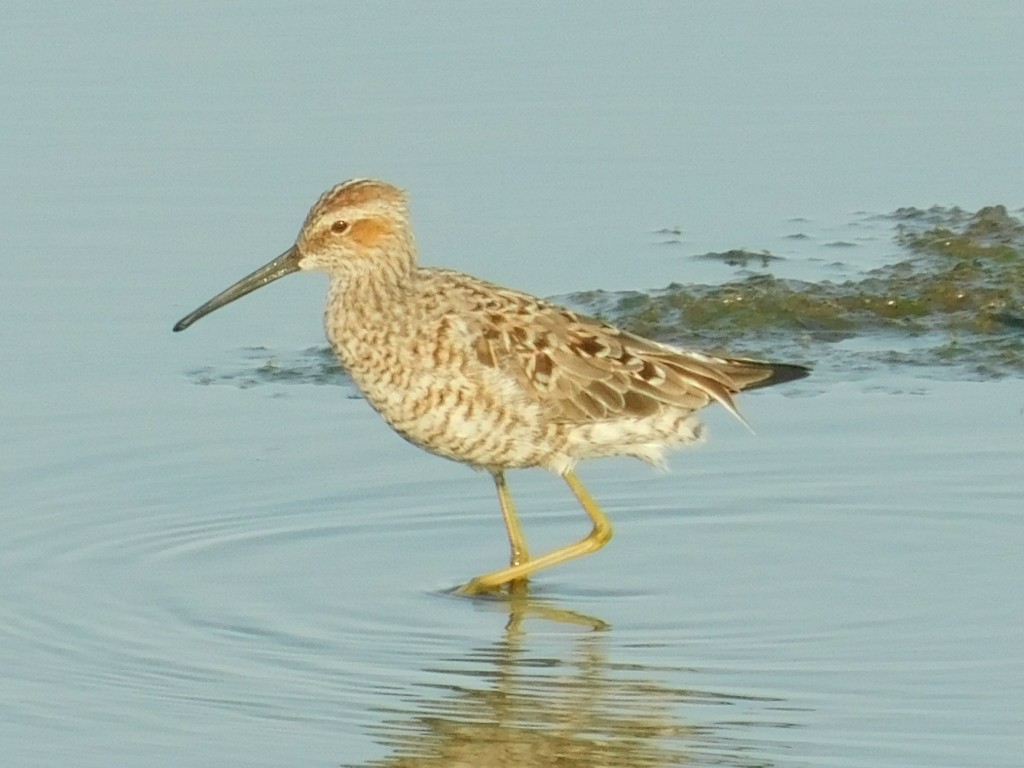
(370, 232)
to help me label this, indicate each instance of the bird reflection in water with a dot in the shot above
(554, 697)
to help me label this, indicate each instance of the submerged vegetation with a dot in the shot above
(956, 297)
(950, 303)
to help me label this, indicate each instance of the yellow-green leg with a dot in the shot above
(597, 538)
(516, 539)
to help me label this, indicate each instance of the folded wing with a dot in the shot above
(583, 370)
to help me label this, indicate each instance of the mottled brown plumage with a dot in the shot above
(488, 376)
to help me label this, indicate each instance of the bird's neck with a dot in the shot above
(364, 303)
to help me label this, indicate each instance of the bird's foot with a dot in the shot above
(482, 585)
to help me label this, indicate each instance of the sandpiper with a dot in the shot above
(489, 376)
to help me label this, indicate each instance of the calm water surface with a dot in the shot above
(274, 594)
(256, 575)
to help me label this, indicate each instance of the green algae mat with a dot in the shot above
(954, 299)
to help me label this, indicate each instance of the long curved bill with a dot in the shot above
(284, 264)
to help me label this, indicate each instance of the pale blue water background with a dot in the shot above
(215, 576)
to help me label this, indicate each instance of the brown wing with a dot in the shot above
(583, 370)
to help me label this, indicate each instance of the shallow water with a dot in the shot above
(822, 593)
(209, 560)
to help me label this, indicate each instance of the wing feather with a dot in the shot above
(581, 370)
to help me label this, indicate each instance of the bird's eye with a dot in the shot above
(339, 227)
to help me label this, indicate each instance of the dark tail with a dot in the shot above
(753, 374)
